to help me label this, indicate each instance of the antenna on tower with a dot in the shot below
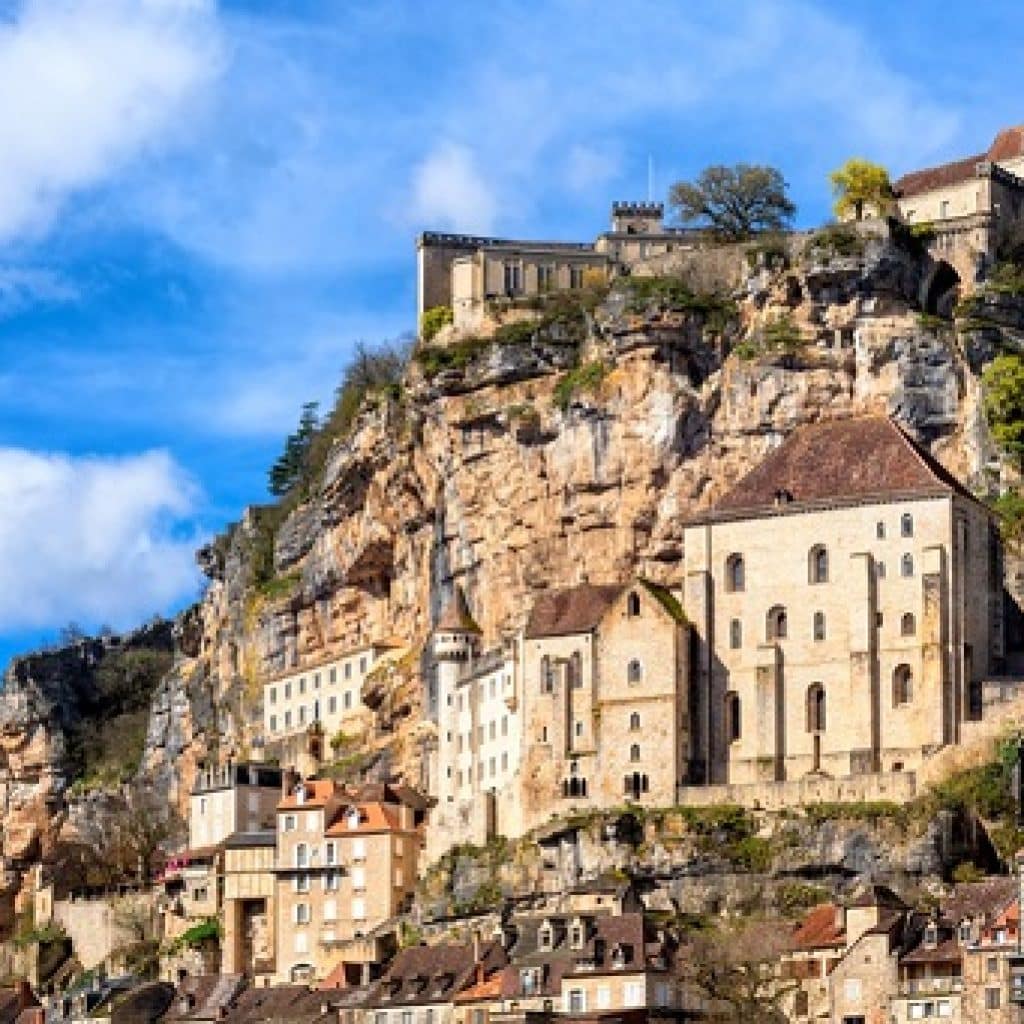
(650, 178)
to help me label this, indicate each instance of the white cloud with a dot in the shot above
(93, 539)
(21, 287)
(587, 167)
(89, 86)
(449, 191)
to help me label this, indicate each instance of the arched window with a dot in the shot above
(908, 624)
(902, 686)
(815, 708)
(819, 625)
(732, 716)
(547, 675)
(817, 564)
(633, 604)
(735, 634)
(775, 623)
(634, 722)
(906, 525)
(635, 672)
(907, 565)
(735, 579)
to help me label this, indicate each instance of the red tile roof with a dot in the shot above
(842, 461)
(818, 930)
(318, 792)
(576, 609)
(373, 817)
(1008, 144)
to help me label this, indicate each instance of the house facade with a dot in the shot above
(846, 597)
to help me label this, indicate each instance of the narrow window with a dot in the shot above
(576, 670)
(732, 716)
(547, 675)
(776, 623)
(635, 671)
(906, 525)
(634, 722)
(817, 564)
(880, 530)
(734, 574)
(907, 565)
(634, 752)
(819, 626)
(633, 604)
(902, 686)
(735, 634)
(816, 708)
(908, 624)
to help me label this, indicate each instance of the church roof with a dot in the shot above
(844, 461)
(1007, 145)
(571, 610)
(456, 616)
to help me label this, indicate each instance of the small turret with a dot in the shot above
(638, 218)
(456, 634)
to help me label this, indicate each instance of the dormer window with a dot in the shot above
(931, 935)
(353, 819)
(300, 794)
(576, 935)
(546, 936)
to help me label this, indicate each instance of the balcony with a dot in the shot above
(938, 986)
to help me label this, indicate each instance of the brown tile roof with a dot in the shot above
(318, 792)
(456, 616)
(842, 461)
(1007, 145)
(431, 974)
(490, 988)
(278, 1003)
(204, 996)
(947, 951)
(929, 178)
(818, 929)
(974, 899)
(576, 609)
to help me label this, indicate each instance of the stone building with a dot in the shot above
(847, 600)
(328, 694)
(250, 905)
(970, 205)
(235, 797)
(346, 862)
(465, 271)
(478, 734)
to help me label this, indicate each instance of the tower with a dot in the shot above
(456, 641)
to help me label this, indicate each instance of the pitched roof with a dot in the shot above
(205, 996)
(318, 792)
(279, 1003)
(430, 974)
(1007, 145)
(818, 930)
(456, 616)
(947, 951)
(570, 610)
(373, 817)
(974, 899)
(842, 461)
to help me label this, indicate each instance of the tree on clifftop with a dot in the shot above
(287, 470)
(860, 185)
(734, 202)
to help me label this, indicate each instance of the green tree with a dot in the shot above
(287, 470)
(1003, 383)
(734, 202)
(858, 185)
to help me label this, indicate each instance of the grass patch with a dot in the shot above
(583, 379)
(870, 811)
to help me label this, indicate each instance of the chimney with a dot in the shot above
(476, 950)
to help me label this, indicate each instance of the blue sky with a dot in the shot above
(203, 206)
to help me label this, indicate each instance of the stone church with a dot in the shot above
(846, 601)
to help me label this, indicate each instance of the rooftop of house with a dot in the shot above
(1007, 145)
(434, 974)
(571, 610)
(280, 1003)
(985, 899)
(372, 817)
(315, 793)
(837, 462)
(204, 996)
(820, 929)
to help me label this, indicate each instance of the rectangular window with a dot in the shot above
(359, 910)
(504, 762)
(348, 670)
(331, 881)
(633, 994)
(577, 1001)
(316, 680)
(287, 690)
(330, 910)
(991, 999)
(512, 277)
(358, 849)
(348, 699)
(301, 942)
(362, 666)
(333, 675)
(358, 877)
(330, 853)
(575, 277)
(302, 882)
(273, 723)
(302, 913)
(545, 277)
(332, 705)
(273, 695)
(302, 684)
(289, 823)
(604, 997)
(287, 719)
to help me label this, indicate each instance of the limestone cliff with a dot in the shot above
(571, 440)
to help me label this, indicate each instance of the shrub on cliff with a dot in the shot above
(432, 320)
(585, 378)
(1003, 383)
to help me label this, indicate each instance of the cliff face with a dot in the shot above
(575, 446)
(542, 455)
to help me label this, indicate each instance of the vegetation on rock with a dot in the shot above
(860, 185)
(433, 319)
(1003, 383)
(734, 203)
